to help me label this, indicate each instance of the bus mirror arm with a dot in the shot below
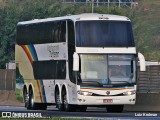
(75, 62)
(142, 62)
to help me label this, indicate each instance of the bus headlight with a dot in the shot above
(86, 93)
(129, 92)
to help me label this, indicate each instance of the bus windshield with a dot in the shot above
(107, 69)
(104, 34)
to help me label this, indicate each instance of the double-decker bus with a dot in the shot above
(77, 61)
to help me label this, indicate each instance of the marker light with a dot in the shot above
(129, 92)
(85, 93)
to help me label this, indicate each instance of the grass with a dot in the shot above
(19, 96)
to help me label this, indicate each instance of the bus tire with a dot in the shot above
(42, 106)
(31, 105)
(25, 98)
(67, 107)
(82, 108)
(115, 108)
(59, 104)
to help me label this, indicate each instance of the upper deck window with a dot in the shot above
(41, 33)
(104, 34)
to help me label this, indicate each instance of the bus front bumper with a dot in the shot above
(114, 100)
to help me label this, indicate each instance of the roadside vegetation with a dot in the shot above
(147, 28)
(145, 18)
(19, 95)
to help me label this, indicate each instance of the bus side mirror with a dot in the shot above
(142, 62)
(75, 62)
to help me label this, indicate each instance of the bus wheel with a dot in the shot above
(115, 108)
(26, 98)
(82, 108)
(31, 104)
(42, 106)
(59, 105)
(67, 107)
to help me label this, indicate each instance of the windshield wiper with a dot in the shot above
(122, 83)
(91, 83)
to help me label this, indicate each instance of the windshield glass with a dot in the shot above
(104, 34)
(104, 69)
(93, 67)
(121, 68)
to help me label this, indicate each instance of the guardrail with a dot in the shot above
(127, 3)
(149, 81)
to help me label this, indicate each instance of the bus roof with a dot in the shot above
(86, 16)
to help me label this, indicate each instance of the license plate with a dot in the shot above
(107, 100)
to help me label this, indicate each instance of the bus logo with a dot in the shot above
(108, 92)
(53, 51)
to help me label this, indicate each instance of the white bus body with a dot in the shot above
(69, 63)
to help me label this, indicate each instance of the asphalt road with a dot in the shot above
(91, 113)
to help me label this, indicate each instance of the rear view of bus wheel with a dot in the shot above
(82, 108)
(59, 105)
(67, 107)
(25, 97)
(115, 108)
(31, 104)
(41, 106)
